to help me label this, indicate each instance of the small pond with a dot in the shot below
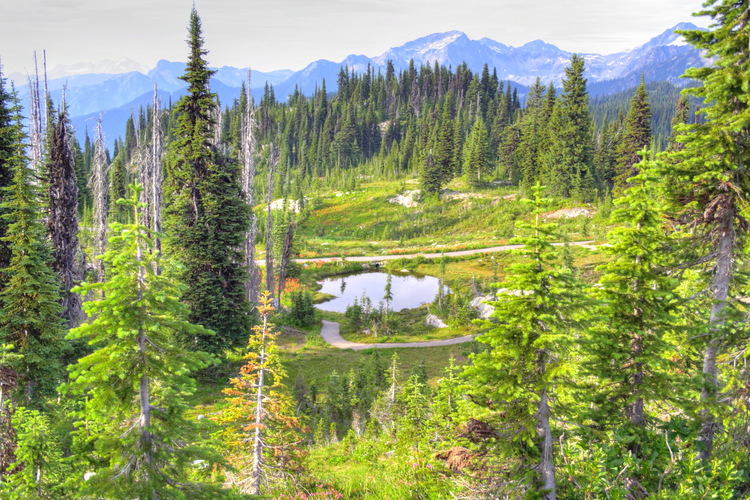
(408, 290)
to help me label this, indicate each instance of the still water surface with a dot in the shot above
(408, 290)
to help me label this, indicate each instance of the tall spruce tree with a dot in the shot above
(637, 135)
(439, 167)
(629, 354)
(30, 302)
(136, 381)
(707, 183)
(530, 349)
(476, 161)
(568, 165)
(206, 217)
(531, 126)
(7, 151)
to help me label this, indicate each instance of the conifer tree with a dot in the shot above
(431, 181)
(7, 151)
(606, 146)
(530, 347)
(706, 182)
(476, 158)
(206, 217)
(30, 302)
(628, 346)
(439, 166)
(137, 379)
(568, 165)
(636, 136)
(262, 432)
(118, 186)
(680, 118)
(529, 154)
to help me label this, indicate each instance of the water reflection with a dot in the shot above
(408, 290)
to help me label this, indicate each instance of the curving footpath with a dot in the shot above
(330, 333)
(435, 255)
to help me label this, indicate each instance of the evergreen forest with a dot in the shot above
(163, 334)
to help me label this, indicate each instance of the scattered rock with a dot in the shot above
(483, 310)
(293, 205)
(569, 213)
(433, 320)
(409, 199)
(448, 194)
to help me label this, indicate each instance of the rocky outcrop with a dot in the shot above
(433, 320)
(483, 310)
(409, 199)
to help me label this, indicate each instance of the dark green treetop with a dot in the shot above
(637, 135)
(205, 215)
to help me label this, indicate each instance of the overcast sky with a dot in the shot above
(288, 34)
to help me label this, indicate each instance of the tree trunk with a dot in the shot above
(255, 474)
(144, 420)
(157, 181)
(720, 290)
(248, 184)
(269, 224)
(546, 465)
(99, 190)
(62, 223)
(637, 416)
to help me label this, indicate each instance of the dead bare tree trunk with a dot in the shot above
(36, 128)
(141, 160)
(218, 125)
(62, 222)
(248, 186)
(269, 225)
(157, 181)
(100, 191)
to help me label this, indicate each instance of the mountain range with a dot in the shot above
(115, 95)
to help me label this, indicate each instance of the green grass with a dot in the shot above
(363, 222)
(360, 468)
(307, 354)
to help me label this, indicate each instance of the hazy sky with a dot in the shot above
(288, 34)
